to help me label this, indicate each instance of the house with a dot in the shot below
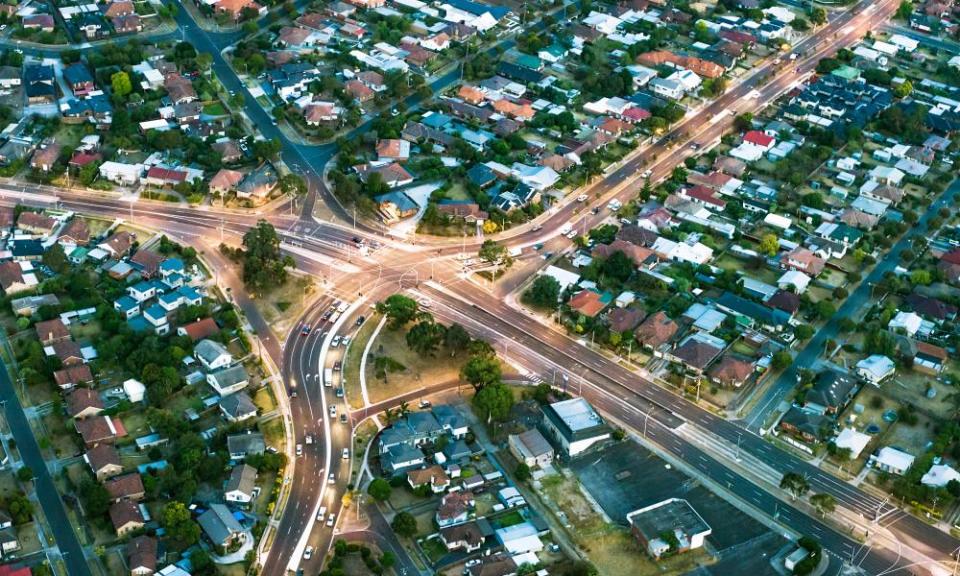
(104, 461)
(731, 370)
(118, 8)
(500, 564)
(142, 555)
(118, 244)
(518, 539)
(78, 77)
(531, 448)
(46, 157)
(434, 477)
(831, 392)
(794, 281)
(876, 368)
(84, 403)
(120, 173)
(393, 149)
(655, 331)
(199, 329)
(400, 457)
(670, 526)
(909, 323)
(929, 358)
(589, 303)
(624, 319)
(13, 280)
(240, 486)
(42, 22)
(932, 308)
(179, 89)
(212, 354)
(891, 460)
(228, 150)
(126, 487)
(469, 212)
(258, 183)
(468, 536)
(939, 475)
(36, 223)
(51, 331)
(30, 305)
(220, 527)
(228, 380)
(127, 24)
(242, 445)
(75, 233)
(451, 421)
(39, 83)
(454, 508)
(697, 351)
(126, 517)
(807, 427)
(99, 430)
(855, 442)
(803, 260)
(238, 407)
(393, 175)
(394, 206)
(574, 426)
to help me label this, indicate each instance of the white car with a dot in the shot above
(646, 173)
(336, 341)
(346, 454)
(308, 553)
(321, 513)
(582, 198)
(333, 410)
(331, 479)
(299, 449)
(331, 519)
(309, 439)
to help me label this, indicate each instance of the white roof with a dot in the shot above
(877, 365)
(908, 44)
(955, 62)
(796, 278)
(896, 459)
(855, 441)
(909, 321)
(133, 387)
(564, 277)
(885, 47)
(780, 13)
(939, 476)
(577, 414)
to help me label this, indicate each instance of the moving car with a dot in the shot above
(305, 330)
(336, 341)
(582, 198)
(336, 366)
(425, 404)
(308, 553)
(331, 479)
(299, 449)
(346, 454)
(309, 439)
(321, 513)
(331, 519)
(343, 418)
(333, 410)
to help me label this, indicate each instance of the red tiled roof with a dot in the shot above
(758, 138)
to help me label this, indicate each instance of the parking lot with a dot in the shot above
(626, 477)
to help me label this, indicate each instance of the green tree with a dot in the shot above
(481, 372)
(293, 185)
(493, 402)
(94, 497)
(120, 82)
(743, 122)
(544, 293)
(19, 508)
(794, 483)
(404, 524)
(522, 472)
(398, 309)
(824, 503)
(905, 10)
(456, 338)
(903, 89)
(25, 474)
(425, 337)
(770, 244)
(493, 253)
(803, 332)
(181, 530)
(264, 266)
(781, 360)
(818, 16)
(379, 490)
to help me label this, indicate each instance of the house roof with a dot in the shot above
(124, 512)
(142, 553)
(624, 319)
(454, 504)
(468, 532)
(831, 389)
(784, 300)
(218, 523)
(127, 486)
(656, 330)
(99, 429)
(732, 369)
(209, 350)
(200, 329)
(805, 422)
(432, 475)
(696, 353)
(250, 443)
(119, 242)
(237, 405)
(931, 307)
(243, 478)
(50, 330)
(588, 303)
(35, 221)
(82, 399)
(73, 375)
(226, 179)
(77, 229)
(101, 456)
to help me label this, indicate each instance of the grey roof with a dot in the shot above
(457, 450)
(230, 376)
(250, 443)
(535, 443)
(208, 350)
(236, 405)
(397, 454)
(423, 423)
(832, 389)
(242, 478)
(219, 524)
(573, 419)
(448, 416)
(668, 516)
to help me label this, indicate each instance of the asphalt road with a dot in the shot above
(53, 509)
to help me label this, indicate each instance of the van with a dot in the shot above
(328, 377)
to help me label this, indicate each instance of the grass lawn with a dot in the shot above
(272, 431)
(114, 562)
(434, 549)
(158, 195)
(425, 522)
(57, 437)
(351, 366)
(214, 109)
(402, 498)
(264, 399)
(284, 305)
(511, 518)
(418, 373)
(360, 440)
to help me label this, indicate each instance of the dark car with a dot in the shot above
(360, 321)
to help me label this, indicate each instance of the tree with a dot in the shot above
(379, 490)
(770, 244)
(293, 185)
(398, 309)
(94, 497)
(824, 503)
(905, 10)
(182, 531)
(493, 253)
(25, 474)
(818, 16)
(120, 82)
(404, 524)
(522, 472)
(456, 338)
(544, 293)
(264, 266)
(903, 89)
(204, 60)
(743, 122)
(494, 402)
(803, 332)
(781, 360)
(794, 483)
(481, 371)
(56, 259)
(425, 337)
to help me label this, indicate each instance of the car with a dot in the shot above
(360, 321)
(336, 341)
(3, 27)
(293, 392)
(425, 404)
(326, 315)
(472, 563)
(345, 340)
(343, 418)
(333, 410)
(336, 366)
(424, 302)
(595, 210)
(305, 330)
(309, 439)
(308, 553)
(646, 173)
(537, 227)
(582, 198)
(331, 478)
(339, 392)
(571, 234)
(538, 247)
(299, 449)
(321, 513)
(331, 519)
(358, 240)
(346, 454)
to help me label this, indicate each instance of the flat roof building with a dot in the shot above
(574, 425)
(652, 525)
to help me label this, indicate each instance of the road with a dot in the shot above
(855, 304)
(70, 549)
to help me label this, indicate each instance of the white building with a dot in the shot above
(876, 368)
(853, 441)
(891, 460)
(939, 476)
(122, 174)
(695, 253)
(794, 278)
(574, 425)
(134, 389)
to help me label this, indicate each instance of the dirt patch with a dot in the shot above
(284, 305)
(418, 372)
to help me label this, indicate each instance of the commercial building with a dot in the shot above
(574, 426)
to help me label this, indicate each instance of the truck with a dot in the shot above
(328, 377)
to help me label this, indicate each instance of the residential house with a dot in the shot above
(891, 460)
(142, 555)
(831, 392)
(258, 183)
(118, 244)
(467, 537)
(803, 260)
(84, 403)
(433, 477)
(805, 427)
(126, 517)
(212, 355)
(675, 517)
(238, 407)
(531, 448)
(876, 368)
(454, 508)
(99, 430)
(104, 461)
(199, 330)
(731, 370)
(51, 331)
(240, 486)
(656, 330)
(229, 380)
(46, 157)
(39, 83)
(242, 445)
(78, 76)
(126, 487)
(36, 223)
(220, 527)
